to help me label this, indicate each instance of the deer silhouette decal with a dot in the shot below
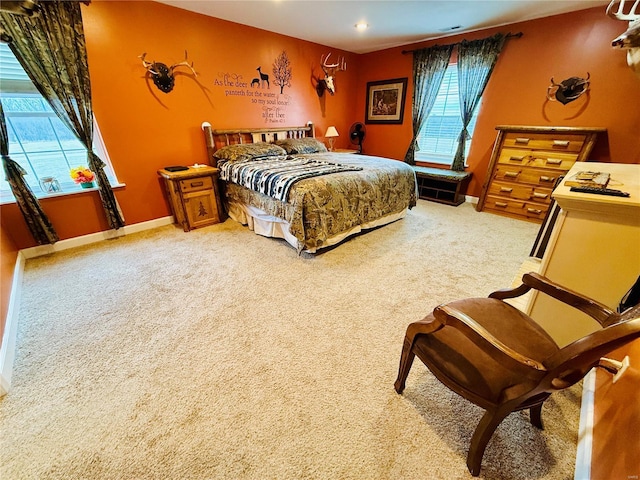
(263, 78)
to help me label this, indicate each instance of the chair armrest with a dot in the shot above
(598, 311)
(481, 336)
(510, 292)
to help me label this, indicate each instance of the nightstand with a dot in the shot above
(194, 196)
(344, 150)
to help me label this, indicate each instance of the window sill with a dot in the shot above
(7, 198)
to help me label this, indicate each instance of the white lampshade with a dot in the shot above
(331, 132)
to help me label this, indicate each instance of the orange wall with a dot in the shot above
(145, 129)
(562, 46)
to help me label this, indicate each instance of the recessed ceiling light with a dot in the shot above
(362, 26)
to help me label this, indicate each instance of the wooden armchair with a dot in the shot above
(500, 359)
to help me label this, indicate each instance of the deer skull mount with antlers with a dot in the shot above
(162, 75)
(330, 70)
(629, 40)
(568, 90)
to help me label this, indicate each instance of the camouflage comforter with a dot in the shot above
(321, 207)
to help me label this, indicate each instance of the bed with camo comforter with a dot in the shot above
(312, 200)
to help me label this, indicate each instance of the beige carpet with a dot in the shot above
(220, 354)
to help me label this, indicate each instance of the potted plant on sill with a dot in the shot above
(83, 176)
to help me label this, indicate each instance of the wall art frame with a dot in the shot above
(385, 101)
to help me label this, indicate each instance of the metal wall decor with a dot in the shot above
(568, 90)
(162, 75)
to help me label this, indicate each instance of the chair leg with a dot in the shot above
(535, 414)
(481, 436)
(406, 360)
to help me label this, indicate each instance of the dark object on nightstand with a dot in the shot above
(495, 356)
(176, 168)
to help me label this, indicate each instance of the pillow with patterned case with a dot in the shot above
(249, 151)
(301, 145)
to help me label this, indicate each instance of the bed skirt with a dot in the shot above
(269, 226)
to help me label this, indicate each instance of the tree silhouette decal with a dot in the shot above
(282, 71)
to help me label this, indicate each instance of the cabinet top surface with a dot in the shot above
(534, 129)
(625, 177)
(190, 173)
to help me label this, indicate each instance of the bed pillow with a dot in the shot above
(249, 151)
(302, 145)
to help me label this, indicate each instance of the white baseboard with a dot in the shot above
(94, 237)
(471, 199)
(8, 348)
(585, 430)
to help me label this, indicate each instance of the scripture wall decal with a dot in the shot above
(258, 93)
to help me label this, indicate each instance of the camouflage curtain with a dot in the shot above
(50, 46)
(37, 221)
(476, 60)
(429, 65)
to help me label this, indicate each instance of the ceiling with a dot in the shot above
(391, 22)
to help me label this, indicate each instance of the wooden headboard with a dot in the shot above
(216, 139)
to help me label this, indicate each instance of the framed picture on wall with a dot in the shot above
(385, 101)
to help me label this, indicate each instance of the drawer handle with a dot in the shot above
(547, 179)
(516, 159)
(511, 174)
(197, 184)
(522, 140)
(540, 195)
(554, 161)
(501, 204)
(561, 143)
(506, 189)
(534, 210)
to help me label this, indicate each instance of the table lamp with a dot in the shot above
(331, 134)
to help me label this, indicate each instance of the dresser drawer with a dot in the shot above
(514, 207)
(520, 192)
(195, 184)
(537, 158)
(545, 141)
(532, 176)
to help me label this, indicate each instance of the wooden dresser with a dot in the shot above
(525, 164)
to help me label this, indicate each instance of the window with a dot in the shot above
(438, 139)
(38, 140)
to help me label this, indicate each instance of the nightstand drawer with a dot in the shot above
(195, 184)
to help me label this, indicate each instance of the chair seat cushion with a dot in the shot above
(465, 368)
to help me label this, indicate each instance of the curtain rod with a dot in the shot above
(508, 35)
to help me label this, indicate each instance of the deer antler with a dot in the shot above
(184, 64)
(631, 15)
(336, 67)
(146, 64)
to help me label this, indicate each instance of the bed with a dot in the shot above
(283, 183)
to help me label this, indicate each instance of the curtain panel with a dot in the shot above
(476, 59)
(429, 66)
(37, 221)
(51, 48)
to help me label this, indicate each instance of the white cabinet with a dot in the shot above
(594, 249)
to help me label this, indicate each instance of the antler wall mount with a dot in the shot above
(568, 90)
(163, 75)
(330, 70)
